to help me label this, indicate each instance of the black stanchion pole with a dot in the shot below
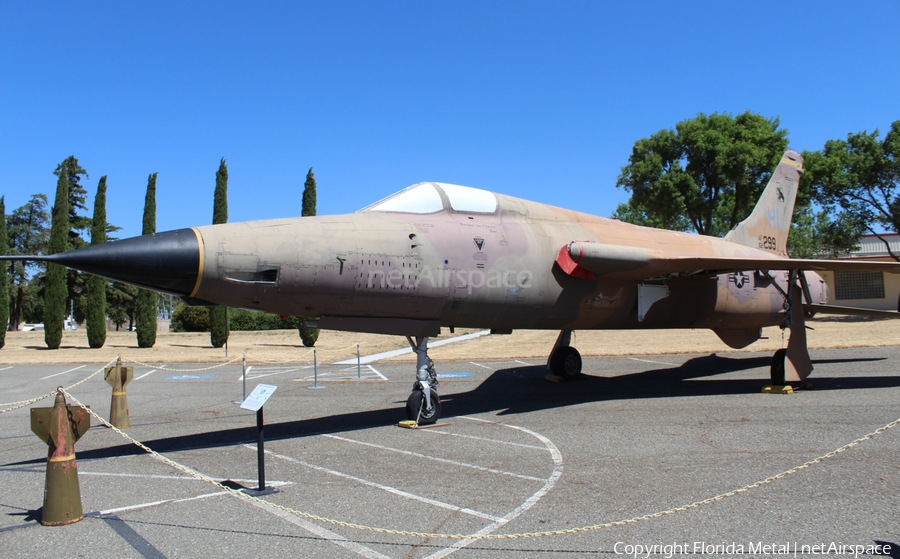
(260, 451)
(255, 402)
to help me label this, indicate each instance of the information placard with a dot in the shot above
(258, 397)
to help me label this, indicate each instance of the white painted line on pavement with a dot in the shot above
(435, 458)
(374, 370)
(146, 374)
(154, 503)
(648, 361)
(388, 488)
(393, 353)
(492, 441)
(64, 372)
(555, 454)
(323, 533)
(272, 374)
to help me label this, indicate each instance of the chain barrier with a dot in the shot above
(267, 362)
(23, 403)
(136, 362)
(547, 533)
(298, 358)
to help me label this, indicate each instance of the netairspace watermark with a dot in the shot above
(441, 277)
(755, 549)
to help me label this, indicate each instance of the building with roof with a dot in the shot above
(869, 290)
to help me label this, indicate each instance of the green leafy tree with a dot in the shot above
(4, 278)
(858, 180)
(241, 319)
(814, 234)
(29, 233)
(79, 226)
(218, 316)
(95, 310)
(308, 335)
(706, 174)
(55, 291)
(33, 303)
(190, 319)
(147, 301)
(121, 303)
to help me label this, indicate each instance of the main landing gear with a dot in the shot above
(792, 364)
(564, 360)
(424, 405)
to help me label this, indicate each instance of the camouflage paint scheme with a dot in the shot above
(438, 255)
(498, 270)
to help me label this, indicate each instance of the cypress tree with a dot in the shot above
(218, 316)
(148, 301)
(4, 279)
(309, 335)
(76, 282)
(55, 289)
(95, 313)
(309, 195)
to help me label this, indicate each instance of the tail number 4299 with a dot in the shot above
(768, 243)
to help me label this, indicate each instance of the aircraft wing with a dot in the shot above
(588, 260)
(851, 311)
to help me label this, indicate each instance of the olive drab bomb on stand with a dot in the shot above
(60, 427)
(117, 377)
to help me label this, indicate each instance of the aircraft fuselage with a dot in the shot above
(467, 269)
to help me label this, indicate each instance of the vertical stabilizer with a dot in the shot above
(768, 225)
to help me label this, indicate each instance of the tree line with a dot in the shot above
(706, 174)
(48, 293)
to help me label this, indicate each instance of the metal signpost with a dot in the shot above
(255, 402)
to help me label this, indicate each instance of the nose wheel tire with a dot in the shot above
(416, 410)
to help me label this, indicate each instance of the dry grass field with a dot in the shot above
(285, 345)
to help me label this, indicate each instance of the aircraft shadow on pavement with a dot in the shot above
(520, 390)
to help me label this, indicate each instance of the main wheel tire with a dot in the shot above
(415, 407)
(566, 362)
(776, 372)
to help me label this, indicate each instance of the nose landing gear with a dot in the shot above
(424, 404)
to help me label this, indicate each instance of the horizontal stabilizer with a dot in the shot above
(851, 311)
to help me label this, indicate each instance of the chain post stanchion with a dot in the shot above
(358, 373)
(243, 379)
(315, 370)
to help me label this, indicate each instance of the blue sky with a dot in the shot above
(541, 100)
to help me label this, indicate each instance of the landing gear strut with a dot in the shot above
(423, 405)
(792, 364)
(564, 361)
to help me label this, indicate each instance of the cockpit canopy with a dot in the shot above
(432, 197)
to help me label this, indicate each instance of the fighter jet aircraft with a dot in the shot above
(439, 255)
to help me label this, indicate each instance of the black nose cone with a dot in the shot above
(168, 262)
